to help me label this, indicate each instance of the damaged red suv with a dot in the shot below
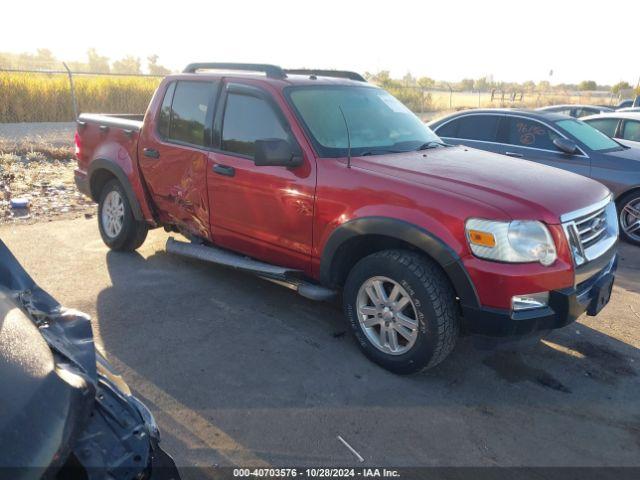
(326, 184)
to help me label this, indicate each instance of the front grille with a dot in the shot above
(591, 231)
(592, 227)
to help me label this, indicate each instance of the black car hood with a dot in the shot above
(60, 398)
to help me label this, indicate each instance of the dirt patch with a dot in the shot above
(607, 359)
(510, 367)
(36, 174)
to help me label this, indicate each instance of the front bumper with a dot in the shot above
(565, 306)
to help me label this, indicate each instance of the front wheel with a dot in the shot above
(402, 311)
(118, 227)
(629, 217)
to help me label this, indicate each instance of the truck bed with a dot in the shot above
(126, 121)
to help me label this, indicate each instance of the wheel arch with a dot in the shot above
(101, 172)
(358, 238)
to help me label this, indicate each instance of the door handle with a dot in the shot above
(151, 153)
(224, 170)
(514, 154)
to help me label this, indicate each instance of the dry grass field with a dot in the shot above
(28, 97)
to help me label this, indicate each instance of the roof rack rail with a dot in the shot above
(272, 71)
(327, 73)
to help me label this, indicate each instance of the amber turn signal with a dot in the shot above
(483, 239)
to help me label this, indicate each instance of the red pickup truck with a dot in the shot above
(328, 185)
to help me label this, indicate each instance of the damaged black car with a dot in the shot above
(64, 413)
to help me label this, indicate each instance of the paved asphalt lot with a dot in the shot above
(240, 371)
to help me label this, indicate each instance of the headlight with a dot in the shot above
(519, 241)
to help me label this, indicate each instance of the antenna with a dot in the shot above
(348, 137)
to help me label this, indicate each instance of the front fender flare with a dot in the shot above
(407, 232)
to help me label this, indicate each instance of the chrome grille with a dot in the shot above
(592, 227)
(591, 231)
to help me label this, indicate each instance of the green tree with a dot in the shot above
(97, 63)
(426, 82)
(128, 64)
(618, 87)
(466, 84)
(586, 85)
(154, 68)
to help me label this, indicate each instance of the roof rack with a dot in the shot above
(327, 73)
(272, 71)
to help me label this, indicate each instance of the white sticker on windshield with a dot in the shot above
(393, 103)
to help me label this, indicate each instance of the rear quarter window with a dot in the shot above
(472, 127)
(164, 117)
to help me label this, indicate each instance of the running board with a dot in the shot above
(287, 277)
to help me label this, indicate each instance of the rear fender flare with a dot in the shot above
(117, 171)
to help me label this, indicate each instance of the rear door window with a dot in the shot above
(246, 119)
(605, 125)
(482, 128)
(189, 112)
(631, 130)
(523, 132)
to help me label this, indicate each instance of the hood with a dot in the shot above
(520, 188)
(631, 153)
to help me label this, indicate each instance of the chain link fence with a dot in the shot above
(56, 91)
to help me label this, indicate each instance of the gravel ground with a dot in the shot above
(36, 166)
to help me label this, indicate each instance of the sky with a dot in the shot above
(445, 39)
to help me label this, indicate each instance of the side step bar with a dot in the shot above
(283, 276)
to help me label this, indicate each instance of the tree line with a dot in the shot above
(486, 84)
(44, 59)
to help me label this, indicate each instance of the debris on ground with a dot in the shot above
(36, 174)
(34, 187)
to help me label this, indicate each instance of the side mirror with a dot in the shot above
(565, 145)
(276, 152)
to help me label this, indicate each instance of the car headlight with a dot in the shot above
(518, 241)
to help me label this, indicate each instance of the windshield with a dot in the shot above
(592, 138)
(378, 122)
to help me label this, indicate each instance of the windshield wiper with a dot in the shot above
(379, 152)
(432, 144)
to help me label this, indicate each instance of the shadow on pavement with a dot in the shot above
(255, 357)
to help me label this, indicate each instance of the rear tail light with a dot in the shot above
(78, 144)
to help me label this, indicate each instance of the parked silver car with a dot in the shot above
(559, 141)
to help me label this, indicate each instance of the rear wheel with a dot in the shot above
(118, 227)
(402, 310)
(629, 217)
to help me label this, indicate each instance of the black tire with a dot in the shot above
(133, 232)
(433, 298)
(629, 198)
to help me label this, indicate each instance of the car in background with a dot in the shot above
(576, 111)
(64, 412)
(625, 104)
(629, 109)
(556, 140)
(623, 126)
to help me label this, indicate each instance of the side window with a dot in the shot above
(189, 112)
(165, 111)
(247, 119)
(631, 130)
(605, 125)
(449, 129)
(522, 132)
(478, 127)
